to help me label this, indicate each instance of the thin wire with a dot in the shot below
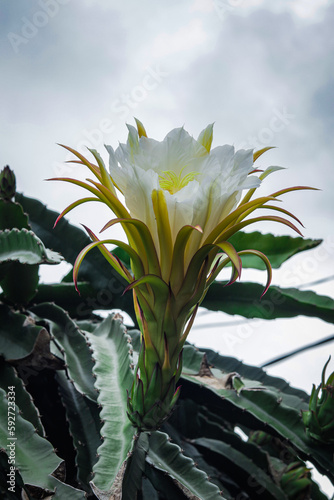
(317, 282)
(221, 324)
(297, 351)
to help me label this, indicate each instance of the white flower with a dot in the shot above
(200, 186)
(182, 205)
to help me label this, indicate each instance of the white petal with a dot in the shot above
(112, 156)
(180, 207)
(243, 161)
(205, 137)
(133, 139)
(138, 197)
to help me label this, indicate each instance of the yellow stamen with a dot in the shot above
(173, 183)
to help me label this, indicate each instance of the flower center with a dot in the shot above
(173, 183)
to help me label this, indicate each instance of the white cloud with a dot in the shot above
(308, 9)
(202, 6)
(185, 38)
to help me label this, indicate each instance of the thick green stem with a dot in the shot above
(154, 391)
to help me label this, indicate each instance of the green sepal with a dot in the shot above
(153, 392)
(141, 364)
(106, 179)
(138, 397)
(158, 285)
(260, 152)
(177, 267)
(153, 265)
(164, 231)
(175, 397)
(146, 417)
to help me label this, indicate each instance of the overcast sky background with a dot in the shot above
(74, 72)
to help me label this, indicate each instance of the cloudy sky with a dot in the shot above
(74, 72)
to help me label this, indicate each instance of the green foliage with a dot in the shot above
(271, 408)
(84, 422)
(167, 457)
(278, 249)
(72, 345)
(18, 334)
(9, 378)
(35, 458)
(71, 370)
(112, 369)
(23, 246)
(244, 299)
(21, 252)
(12, 215)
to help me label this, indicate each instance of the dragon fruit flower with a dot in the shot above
(183, 200)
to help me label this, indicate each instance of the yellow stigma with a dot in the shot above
(173, 183)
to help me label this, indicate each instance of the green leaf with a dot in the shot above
(35, 458)
(18, 334)
(132, 481)
(14, 273)
(168, 457)
(184, 425)
(276, 405)
(316, 493)
(65, 296)
(25, 247)
(114, 376)
(193, 357)
(84, 423)
(4, 470)
(12, 215)
(18, 247)
(216, 476)
(73, 344)
(242, 468)
(278, 249)
(9, 378)
(244, 473)
(244, 299)
(272, 409)
(164, 484)
(148, 491)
